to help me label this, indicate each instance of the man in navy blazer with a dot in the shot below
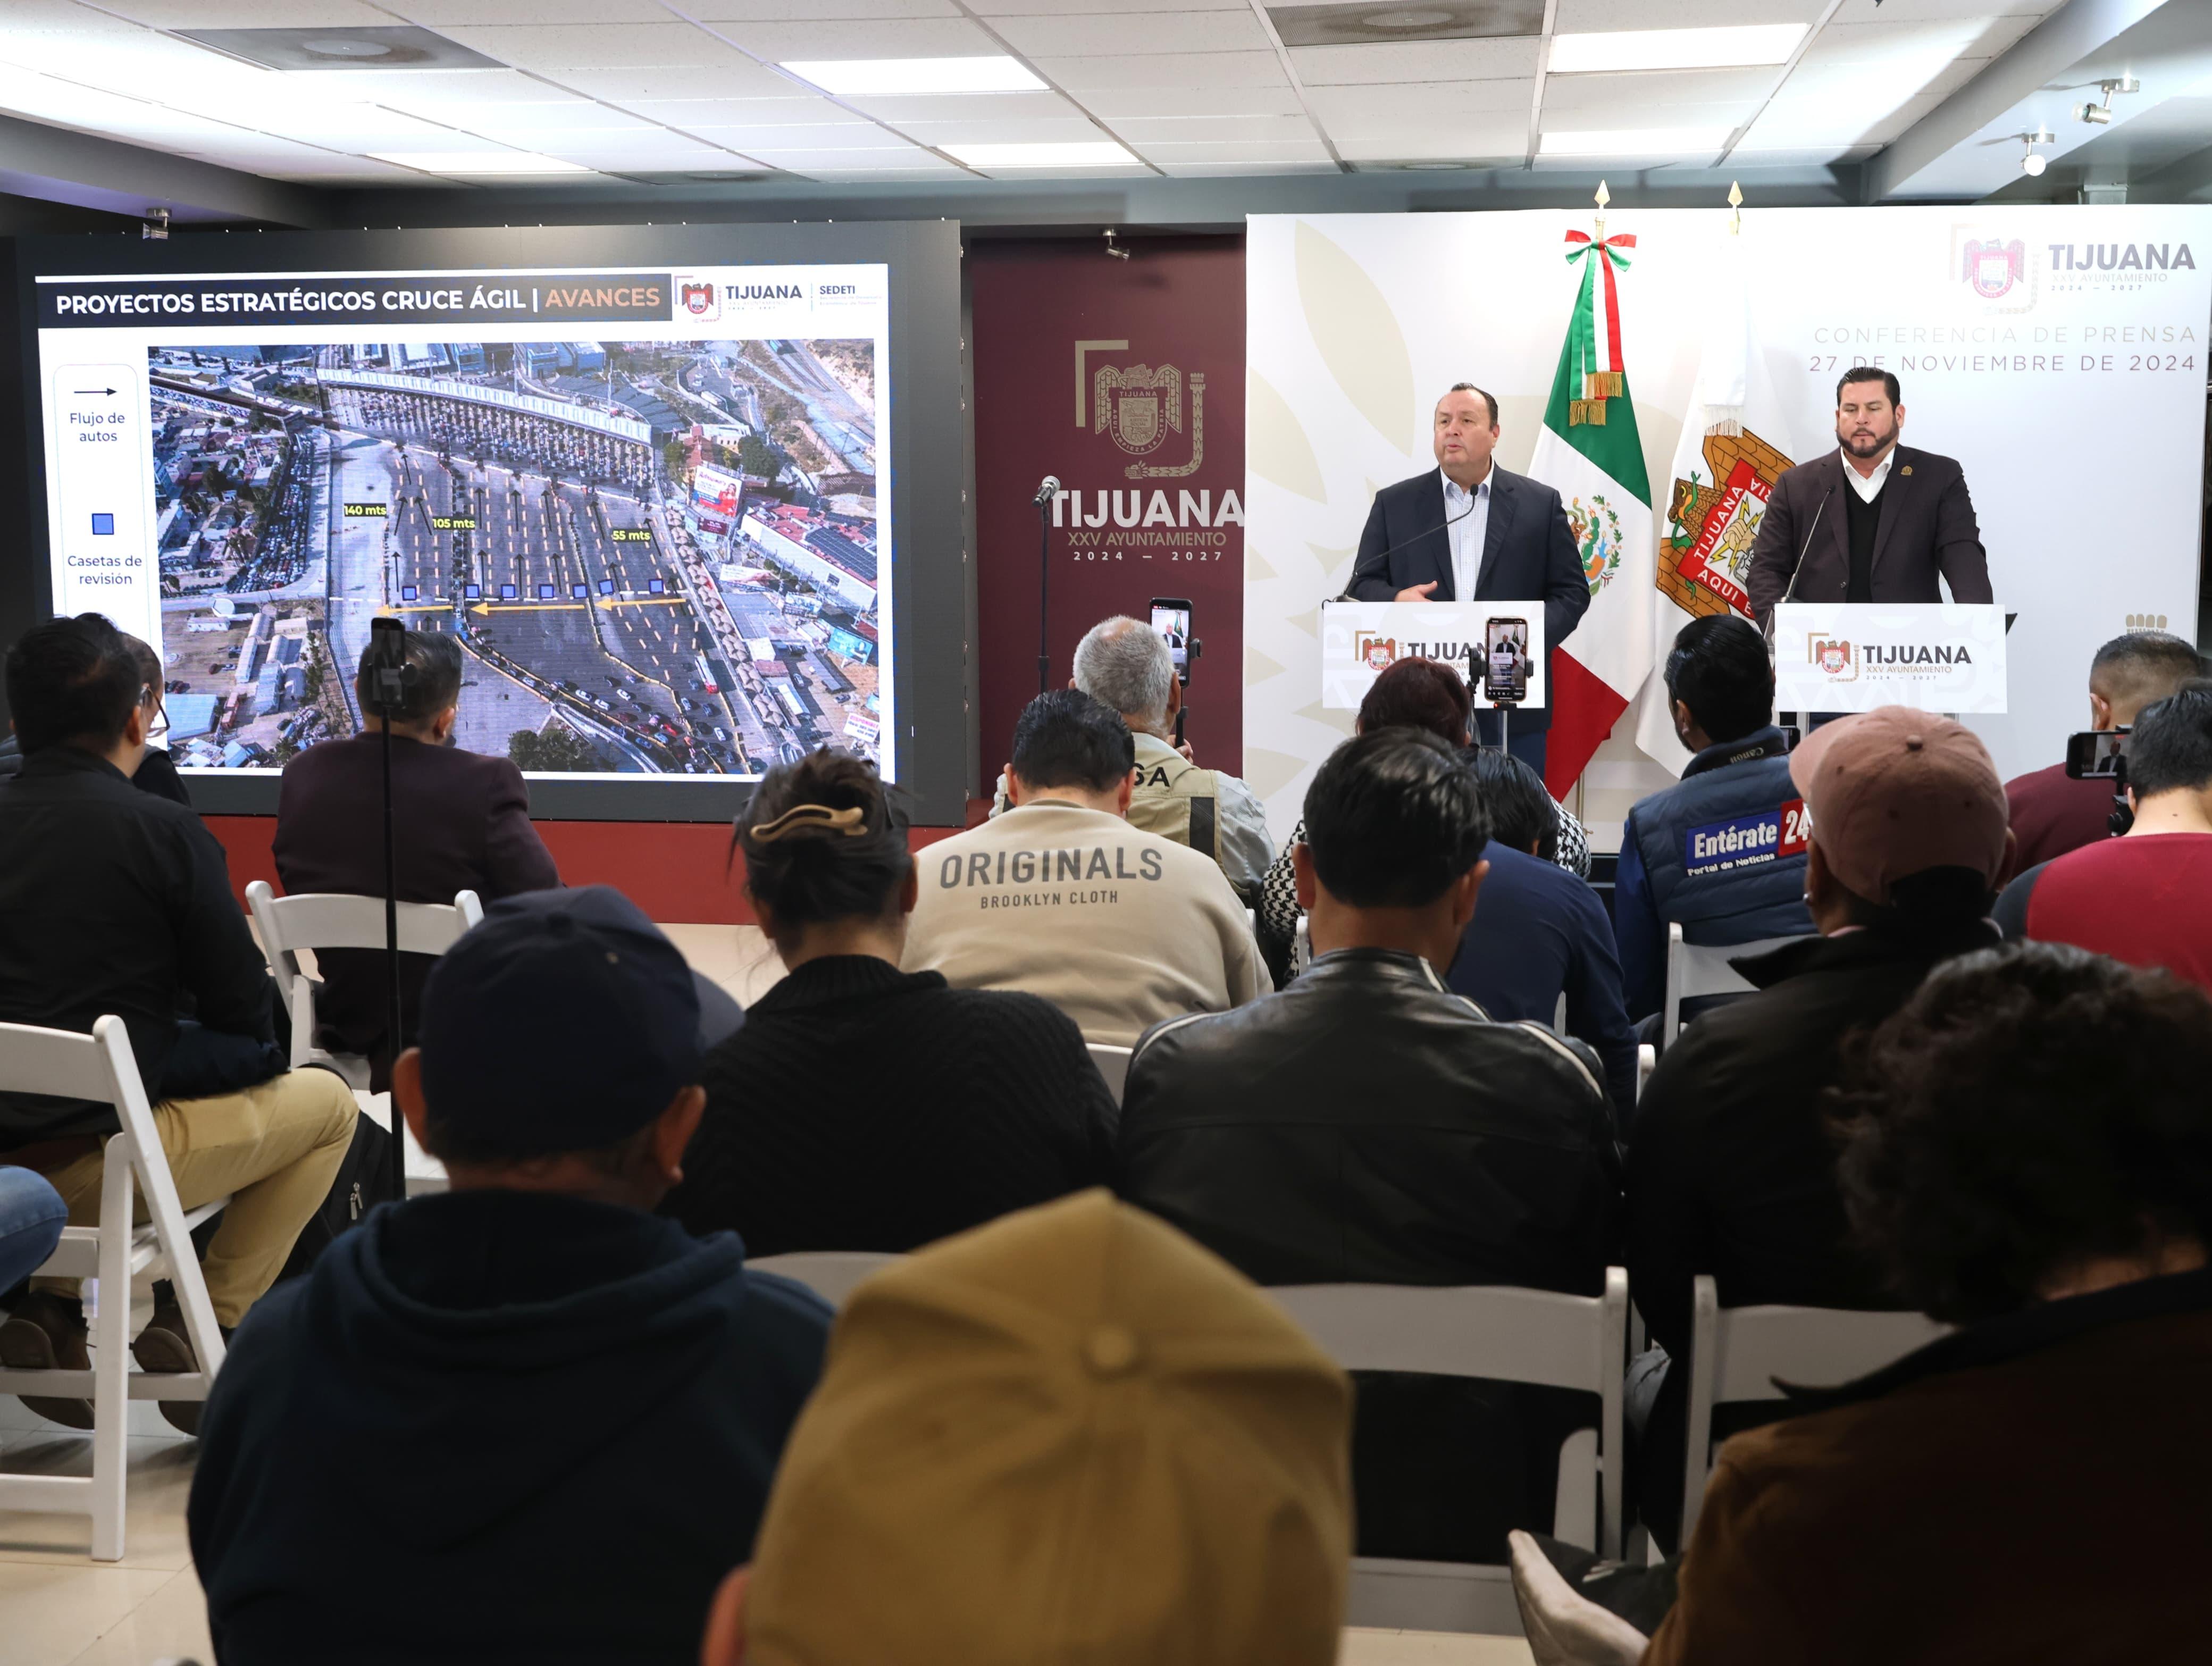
(1472, 530)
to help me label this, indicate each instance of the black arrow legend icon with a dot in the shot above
(107, 390)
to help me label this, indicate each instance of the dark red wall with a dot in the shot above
(1177, 301)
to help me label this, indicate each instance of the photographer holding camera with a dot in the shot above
(2144, 898)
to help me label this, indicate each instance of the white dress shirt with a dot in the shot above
(1866, 485)
(1468, 531)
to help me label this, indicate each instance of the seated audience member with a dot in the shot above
(1060, 897)
(2145, 898)
(1418, 694)
(118, 901)
(949, 1107)
(1368, 1125)
(1126, 663)
(464, 822)
(157, 773)
(2053, 814)
(1714, 852)
(1992, 1496)
(546, 1415)
(1069, 1439)
(32, 1216)
(1539, 932)
(1730, 1169)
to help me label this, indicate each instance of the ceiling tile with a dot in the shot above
(1164, 74)
(598, 45)
(1914, 11)
(1491, 141)
(725, 79)
(355, 127)
(1147, 32)
(802, 161)
(1115, 103)
(745, 112)
(980, 106)
(992, 10)
(1269, 150)
(426, 89)
(1241, 170)
(1596, 16)
(1724, 116)
(796, 137)
(1203, 129)
(839, 176)
(1073, 129)
(569, 116)
(1397, 61)
(1442, 105)
(1609, 92)
(669, 152)
(806, 11)
(892, 37)
(250, 14)
(442, 15)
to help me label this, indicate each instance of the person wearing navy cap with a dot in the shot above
(525, 1418)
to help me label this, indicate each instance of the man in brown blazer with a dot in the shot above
(1873, 520)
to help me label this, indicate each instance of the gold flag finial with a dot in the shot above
(1735, 207)
(1603, 198)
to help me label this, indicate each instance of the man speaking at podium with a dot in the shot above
(1872, 521)
(1472, 531)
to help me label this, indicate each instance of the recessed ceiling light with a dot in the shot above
(378, 46)
(885, 77)
(1634, 142)
(1733, 47)
(471, 162)
(1080, 153)
(1360, 22)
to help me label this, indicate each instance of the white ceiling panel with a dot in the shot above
(569, 116)
(1142, 31)
(1271, 150)
(1373, 111)
(355, 127)
(1167, 74)
(746, 112)
(1609, 92)
(1241, 170)
(797, 136)
(723, 80)
(1207, 129)
(442, 14)
(1490, 137)
(1117, 103)
(1914, 11)
(808, 11)
(247, 14)
(1724, 116)
(562, 46)
(874, 157)
(1598, 16)
(966, 107)
(1397, 61)
(891, 37)
(1068, 130)
(990, 10)
(424, 89)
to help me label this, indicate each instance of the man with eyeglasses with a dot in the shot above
(118, 901)
(157, 772)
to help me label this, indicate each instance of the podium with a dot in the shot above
(1853, 657)
(1360, 640)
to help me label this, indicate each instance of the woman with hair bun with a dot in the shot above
(862, 1107)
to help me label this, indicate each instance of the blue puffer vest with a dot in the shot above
(1724, 850)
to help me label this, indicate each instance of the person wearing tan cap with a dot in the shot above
(1730, 1166)
(1071, 1436)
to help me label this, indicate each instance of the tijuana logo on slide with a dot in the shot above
(1993, 267)
(698, 298)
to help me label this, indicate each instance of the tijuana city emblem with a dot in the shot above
(1373, 653)
(1835, 658)
(1139, 405)
(1992, 268)
(698, 298)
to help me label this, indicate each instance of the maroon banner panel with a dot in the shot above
(1125, 379)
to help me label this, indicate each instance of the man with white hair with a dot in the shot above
(1125, 663)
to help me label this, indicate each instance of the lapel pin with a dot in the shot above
(1907, 468)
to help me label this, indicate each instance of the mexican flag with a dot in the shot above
(1736, 444)
(1590, 452)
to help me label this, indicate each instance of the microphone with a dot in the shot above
(1046, 492)
(1789, 593)
(1447, 522)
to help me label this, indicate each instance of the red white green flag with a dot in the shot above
(1591, 453)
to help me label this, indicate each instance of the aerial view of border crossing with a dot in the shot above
(659, 556)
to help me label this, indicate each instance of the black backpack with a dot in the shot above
(364, 1180)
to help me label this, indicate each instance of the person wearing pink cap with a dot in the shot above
(1730, 1167)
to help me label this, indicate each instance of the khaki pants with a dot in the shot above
(273, 1149)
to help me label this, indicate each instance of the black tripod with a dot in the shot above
(384, 693)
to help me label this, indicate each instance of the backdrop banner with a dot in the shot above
(2059, 353)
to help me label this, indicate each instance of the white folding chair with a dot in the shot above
(1113, 1064)
(1739, 1352)
(330, 921)
(1694, 969)
(829, 1274)
(1509, 1334)
(101, 1067)
(1301, 949)
(1647, 1061)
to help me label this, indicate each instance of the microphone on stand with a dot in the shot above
(1047, 491)
(1790, 592)
(1445, 525)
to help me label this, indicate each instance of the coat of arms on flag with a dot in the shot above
(1712, 519)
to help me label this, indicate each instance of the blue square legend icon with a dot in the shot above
(580, 591)
(103, 525)
(407, 592)
(545, 592)
(507, 592)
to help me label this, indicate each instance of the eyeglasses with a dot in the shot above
(158, 724)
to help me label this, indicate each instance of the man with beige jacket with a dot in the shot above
(1060, 897)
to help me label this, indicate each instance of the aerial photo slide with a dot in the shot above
(664, 550)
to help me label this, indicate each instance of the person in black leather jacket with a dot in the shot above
(1367, 1124)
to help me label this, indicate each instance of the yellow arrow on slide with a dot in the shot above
(528, 607)
(386, 611)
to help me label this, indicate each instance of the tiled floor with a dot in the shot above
(58, 1607)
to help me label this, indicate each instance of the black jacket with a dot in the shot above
(463, 823)
(1528, 555)
(115, 900)
(495, 1426)
(1368, 1125)
(1927, 527)
(865, 1107)
(1731, 1167)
